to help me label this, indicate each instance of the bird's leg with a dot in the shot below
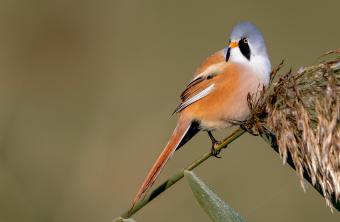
(215, 143)
(241, 124)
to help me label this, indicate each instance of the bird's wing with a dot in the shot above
(199, 87)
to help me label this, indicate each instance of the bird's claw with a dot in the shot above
(250, 131)
(243, 126)
(214, 152)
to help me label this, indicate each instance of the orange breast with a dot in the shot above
(227, 100)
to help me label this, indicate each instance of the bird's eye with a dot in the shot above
(245, 41)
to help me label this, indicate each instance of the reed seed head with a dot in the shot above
(302, 110)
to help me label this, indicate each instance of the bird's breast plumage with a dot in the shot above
(227, 100)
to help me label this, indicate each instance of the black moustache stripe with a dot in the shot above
(244, 47)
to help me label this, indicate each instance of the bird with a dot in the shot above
(216, 97)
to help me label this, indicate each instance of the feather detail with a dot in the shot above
(178, 138)
(194, 98)
(203, 82)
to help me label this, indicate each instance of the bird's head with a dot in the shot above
(248, 48)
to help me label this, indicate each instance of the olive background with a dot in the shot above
(87, 89)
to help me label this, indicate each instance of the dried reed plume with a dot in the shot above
(302, 110)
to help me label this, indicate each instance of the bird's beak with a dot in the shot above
(233, 45)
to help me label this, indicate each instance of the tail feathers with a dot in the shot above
(183, 126)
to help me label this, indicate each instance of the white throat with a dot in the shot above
(258, 64)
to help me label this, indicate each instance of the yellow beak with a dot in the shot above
(233, 45)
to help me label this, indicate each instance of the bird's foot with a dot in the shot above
(214, 152)
(215, 144)
(243, 126)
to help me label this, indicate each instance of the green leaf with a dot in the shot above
(210, 202)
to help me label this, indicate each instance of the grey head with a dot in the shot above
(248, 48)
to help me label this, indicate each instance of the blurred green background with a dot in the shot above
(87, 89)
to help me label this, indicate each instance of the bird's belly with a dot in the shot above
(220, 120)
(225, 103)
(217, 125)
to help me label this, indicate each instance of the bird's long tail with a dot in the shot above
(184, 131)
